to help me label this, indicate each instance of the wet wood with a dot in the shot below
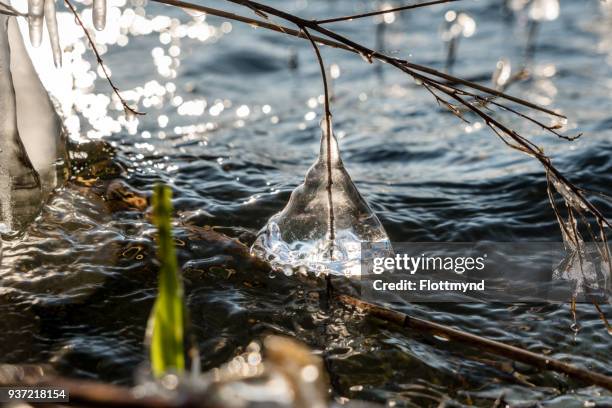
(495, 347)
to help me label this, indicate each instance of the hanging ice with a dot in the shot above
(312, 233)
(32, 141)
(44, 139)
(20, 193)
(99, 14)
(40, 11)
(51, 20)
(35, 19)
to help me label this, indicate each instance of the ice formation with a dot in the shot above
(301, 234)
(587, 264)
(51, 20)
(32, 143)
(36, 9)
(40, 11)
(99, 14)
(44, 138)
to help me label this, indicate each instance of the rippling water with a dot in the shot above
(77, 287)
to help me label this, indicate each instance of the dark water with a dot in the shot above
(76, 289)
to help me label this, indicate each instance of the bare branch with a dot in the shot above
(370, 54)
(482, 343)
(377, 13)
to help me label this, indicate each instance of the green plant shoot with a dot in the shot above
(166, 324)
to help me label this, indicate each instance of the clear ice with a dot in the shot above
(32, 152)
(51, 20)
(99, 14)
(301, 234)
(35, 20)
(44, 139)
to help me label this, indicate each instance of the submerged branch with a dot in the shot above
(501, 349)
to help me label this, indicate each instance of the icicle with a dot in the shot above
(20, 194)
(51, 20)
(299, 236)
(99, 14)
(44, 139)
(35, 10)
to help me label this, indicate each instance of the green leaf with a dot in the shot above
(166, 324)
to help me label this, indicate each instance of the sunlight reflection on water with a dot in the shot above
(231, 124)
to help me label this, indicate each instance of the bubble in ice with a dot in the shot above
(301, 234)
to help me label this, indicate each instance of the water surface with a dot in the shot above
(233, 128)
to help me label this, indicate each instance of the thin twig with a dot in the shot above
(527, 147)
(490, 100)
(482, 343)
(377, 13)
(251, 21)
(346, 44)
(127, 108)
(552, 129)
(328, 139)
(370, 54)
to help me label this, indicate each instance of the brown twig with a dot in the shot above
(523, 145)
(379, 12)
(127, 108)
(490, 100)
(370, 54)
(482, 343)
(343, 43)
(252, 22)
